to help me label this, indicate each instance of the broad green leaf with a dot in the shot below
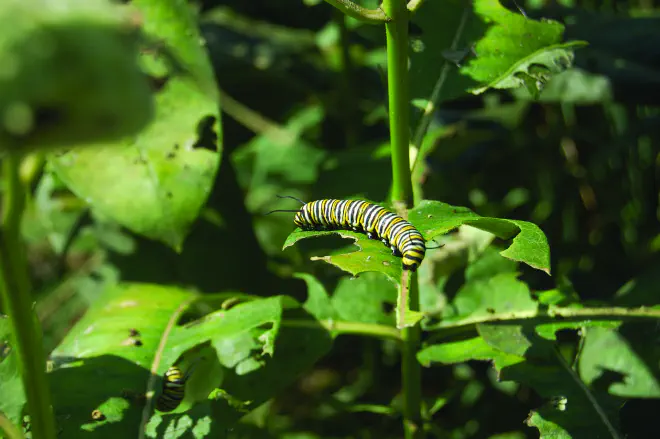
(501, 294)
(517, 50)
(69, 74)
(318, 302)
(489, 264)
(574, 86)
(433, 218)
(363, 299)
(156, 182)
(371, 255)
(619, 363)
(529, 244)
(104, 363)
(12, 396)
(456, 352)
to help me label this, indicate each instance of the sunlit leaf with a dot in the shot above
(529, 244)
(105, 361)
(156, 182)
(517, 50)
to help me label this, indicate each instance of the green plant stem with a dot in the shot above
(17, 301)
(10, 430)
(411, 374)
(452, 328)
(402, 194)
(399, 107)
(373, 16)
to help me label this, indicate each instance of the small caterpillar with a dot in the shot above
(174, 384)
(375, 221)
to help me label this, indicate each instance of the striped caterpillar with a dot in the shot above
(375, 221)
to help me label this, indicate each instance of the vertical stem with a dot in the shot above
(399, 112)
(397, 88)
(411, 373)
(17, 302)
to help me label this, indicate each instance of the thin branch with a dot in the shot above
(372, 16)
(550, 315)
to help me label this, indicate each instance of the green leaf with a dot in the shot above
(517, 50)
(156, 182)
(69, 74)
(456, 352)
(433, 218)
(104, 363)
(621, 363)
(362, 299)
(372, 255)
(11, 385)
(501, 294)
(529, 245)
(318, 302)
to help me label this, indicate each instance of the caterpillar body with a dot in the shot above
(375, 221)
(174, 384)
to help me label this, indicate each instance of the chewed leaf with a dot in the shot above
(156, 182)
(517, 50)
(371, 254)
(529, 245)
(433, 218)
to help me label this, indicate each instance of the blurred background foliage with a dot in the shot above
(304, 101)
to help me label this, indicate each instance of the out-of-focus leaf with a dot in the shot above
(277, 162)
(572, 408)
(500, 294)
(641, 290)
(456, 352)
(11, 385)
(489, 264)
(574, 86)
(69, 74)
(156, 183)
(318, 302)
(104, 362)
(622, 365)
(517, 50)
(362, 299)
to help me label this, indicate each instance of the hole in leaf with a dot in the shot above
(206, 135)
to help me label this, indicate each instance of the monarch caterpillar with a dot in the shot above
(174, 385)
(361, 216)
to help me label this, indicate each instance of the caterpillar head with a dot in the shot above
(299, 219)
